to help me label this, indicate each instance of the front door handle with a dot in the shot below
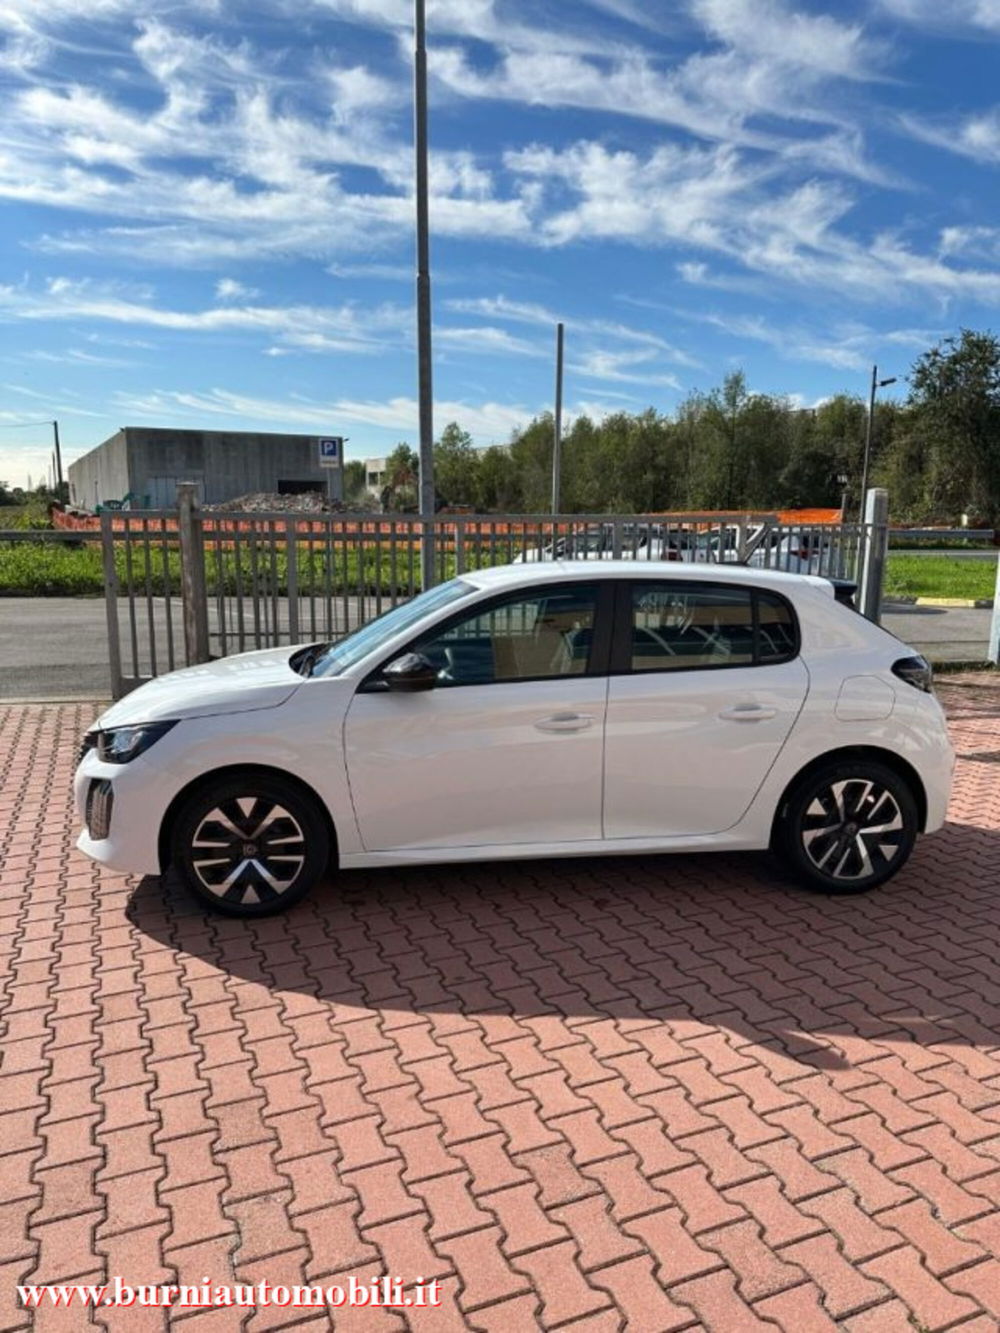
(748, 713)
(565, 722)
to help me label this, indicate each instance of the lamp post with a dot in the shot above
(876, 385)
(427, 492)
(557, 425)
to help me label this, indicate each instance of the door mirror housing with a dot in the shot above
(411, 672)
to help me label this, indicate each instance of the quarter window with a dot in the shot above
(775, 628)
(527, 637)
(676, 627)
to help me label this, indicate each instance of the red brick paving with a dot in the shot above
(646, 1094)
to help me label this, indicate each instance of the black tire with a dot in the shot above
(249, 846)
(847, 827)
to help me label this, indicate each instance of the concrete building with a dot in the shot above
(375, 476)
(146, 463)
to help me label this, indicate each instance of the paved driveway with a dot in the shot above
(642, 1094)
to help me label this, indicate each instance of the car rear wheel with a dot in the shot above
(249, 846)
(847, 827)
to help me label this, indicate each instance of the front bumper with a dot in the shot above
(129, 799)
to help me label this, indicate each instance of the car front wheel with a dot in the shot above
(847, 827)
(249, 846)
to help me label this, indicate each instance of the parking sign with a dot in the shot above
(330, 450)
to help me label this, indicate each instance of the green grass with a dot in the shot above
(51, 570)
(939, 576)
(33, 515)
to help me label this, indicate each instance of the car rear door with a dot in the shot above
(705, 686)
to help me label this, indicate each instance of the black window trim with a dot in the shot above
(598, 658)
(621, 656)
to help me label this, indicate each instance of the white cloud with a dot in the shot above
(527, 312)
(229, 289)
(383, 272)
(781, 36)
(344, 328)
(626, 367)
(976, 135)
(971, 242)
(77, 356)
(485, 338)
(487, 422)
(947, 14)
(795, 344)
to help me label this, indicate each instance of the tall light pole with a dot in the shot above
(59, 471)
(876, 384)
(427, 493)
(557, 424)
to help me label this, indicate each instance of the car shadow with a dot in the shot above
(696, 942)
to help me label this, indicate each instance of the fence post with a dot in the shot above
(460, 546)
(291, 581)
(875, 537)
(993, 653)
(193, 591)
(111, 605)
(616, 539)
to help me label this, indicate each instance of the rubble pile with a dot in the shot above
(309, 502)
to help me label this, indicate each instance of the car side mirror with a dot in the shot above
(411, 672)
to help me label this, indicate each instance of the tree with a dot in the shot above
(499, 482)
(456, 467)
(355, 482)
(955, 397)
(402, 471)
(531, 451)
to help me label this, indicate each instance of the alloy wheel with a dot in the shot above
(248, 850)
(852, 828)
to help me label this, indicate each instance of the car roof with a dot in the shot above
(546, 571)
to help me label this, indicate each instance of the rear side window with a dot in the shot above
(775, 628)
(678, 626)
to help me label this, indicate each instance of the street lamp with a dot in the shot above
(876, 384)
(424, 376)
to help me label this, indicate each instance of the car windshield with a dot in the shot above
(370, 638)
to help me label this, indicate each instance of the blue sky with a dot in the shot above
(207, 217)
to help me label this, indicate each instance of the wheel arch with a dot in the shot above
(229, 771)
(887, 758)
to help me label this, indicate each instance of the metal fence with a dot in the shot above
(186, 585)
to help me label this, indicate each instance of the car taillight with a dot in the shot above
(916, 671)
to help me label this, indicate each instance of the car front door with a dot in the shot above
(507, 747)
(706, 685)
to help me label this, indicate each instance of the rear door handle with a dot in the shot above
(748, 713)
(565, 722)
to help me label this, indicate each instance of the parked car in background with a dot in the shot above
(579, 709)
(596, 541)
(796, 550)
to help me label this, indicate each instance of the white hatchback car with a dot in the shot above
(530, 711)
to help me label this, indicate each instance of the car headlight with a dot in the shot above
(120, 745)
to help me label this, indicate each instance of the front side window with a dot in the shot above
(530, 636)
(338, 657)
(676, 626)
